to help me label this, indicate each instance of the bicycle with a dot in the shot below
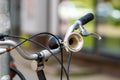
(73, 42)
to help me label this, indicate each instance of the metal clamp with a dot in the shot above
(38, 64)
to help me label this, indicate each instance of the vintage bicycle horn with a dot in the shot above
(73, 41)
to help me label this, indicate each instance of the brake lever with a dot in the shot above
(85, 33)
(95, 35)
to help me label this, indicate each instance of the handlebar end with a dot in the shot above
(85, 19)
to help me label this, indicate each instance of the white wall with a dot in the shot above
(39, 16)
(33, 16)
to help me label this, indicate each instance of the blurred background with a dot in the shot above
(98, 60)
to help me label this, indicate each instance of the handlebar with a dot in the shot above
(45, 54)
(81, 21)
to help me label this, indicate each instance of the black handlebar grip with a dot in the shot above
(85, 19)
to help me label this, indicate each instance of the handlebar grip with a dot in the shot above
(85, 19)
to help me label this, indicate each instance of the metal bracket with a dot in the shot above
(38, 64)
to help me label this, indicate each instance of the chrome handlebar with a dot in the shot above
(45, 54)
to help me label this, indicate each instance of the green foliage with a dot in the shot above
(113, 21)
(88, 42)
(116, 4)
(84, 3)
(26, 44)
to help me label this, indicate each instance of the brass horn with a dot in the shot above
(74, 42)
